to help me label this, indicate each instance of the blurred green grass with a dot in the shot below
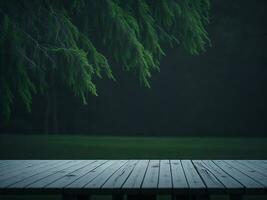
(96, 147)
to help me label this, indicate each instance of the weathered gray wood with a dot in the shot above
(165, 177)
(19, 165)
(210, 180)
(139, 179)
(255, 166)
(60, 172)
(118, 178)
(236, 174)
(192, 176)
(71, 177)
(135, 179)
(258, 177)
(228, 181)
(25, 179)
(40, 174)
(107, 173)
(3, 163)
(151, 176)
(6, 163)
(261, 163)
(82, 181)
(178, 176)
(11, 163)
(18, 175)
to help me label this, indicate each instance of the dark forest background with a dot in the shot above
(221, 92)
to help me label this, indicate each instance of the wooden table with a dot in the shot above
(134, 179)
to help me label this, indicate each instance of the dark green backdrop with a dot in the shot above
(221, 92)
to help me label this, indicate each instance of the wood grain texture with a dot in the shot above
(134, 177)
(152, 175)
(192, 176)
(207, 175)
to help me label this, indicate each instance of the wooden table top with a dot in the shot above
(134, 176)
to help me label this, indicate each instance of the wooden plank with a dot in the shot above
(15, 180)
(3, 162)
(165, 177)
(16, 175)
(82, 181)
(37, 175)
(210, 180)
(261, 163)
(178, 176)
(10, 165)
(71, 177)
(228, 181)
(151, 176)
(101, 179)
(236, 174)
(134, 181)
(192, 176)
(9, 162)
(256, 176)
(118, 178)
(258, 164)
(60, 172)
(19, 165)
(135, 177)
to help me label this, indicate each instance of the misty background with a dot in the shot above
(221, 92)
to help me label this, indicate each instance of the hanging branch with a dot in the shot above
(66, 37)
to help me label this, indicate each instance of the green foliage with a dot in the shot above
(15, 76)
(45, 39)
